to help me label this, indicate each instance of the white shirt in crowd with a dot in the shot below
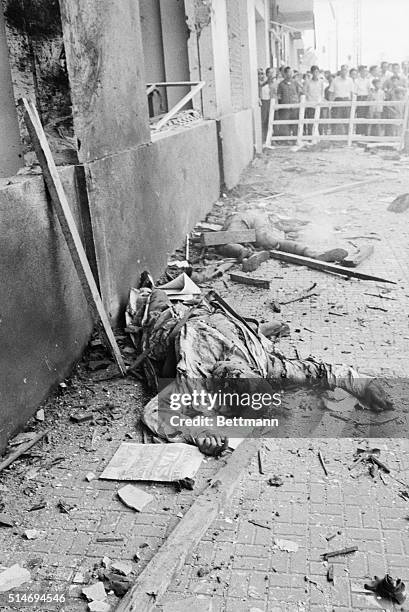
(265, 92)
(314, 91)
(342, 88)
(363, 86)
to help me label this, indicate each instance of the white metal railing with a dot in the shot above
(350, 135)
(196, 86)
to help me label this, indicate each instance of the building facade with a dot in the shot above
(135, 190)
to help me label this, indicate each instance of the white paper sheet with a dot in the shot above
(158, 462)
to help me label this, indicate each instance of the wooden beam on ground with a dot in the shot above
(22, 449)
(228, 237)
(68, 226)
(321, 192)
(153, 582)
(249, 280)
(323, 266)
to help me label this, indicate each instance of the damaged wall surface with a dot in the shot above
(142, 214)
(37, 60)
(10, 147)
(236, 135)
(143, 196)
(140, 193)
(103, 46)
(44, 319)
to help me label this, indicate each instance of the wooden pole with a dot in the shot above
(152, 583)
(320, 192)
(270, 129)
(351, 124)
(301, 117)
(68, 226)
(405, 125)
(315, 128)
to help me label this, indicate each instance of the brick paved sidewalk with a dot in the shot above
(253, 574)
(309, 506)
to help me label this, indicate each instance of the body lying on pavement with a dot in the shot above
(209, 343)
(270, 238)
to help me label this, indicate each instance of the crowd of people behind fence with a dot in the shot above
(384, 83)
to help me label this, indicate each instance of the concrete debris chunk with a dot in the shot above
(286, 545)
(400, 204)
(99, 606)
(90, 476)
(22, 437)
(106, 562)
(13, 577)
(122, 567)
(118, 584)
(32, 534)
(133, 497)
(6, 520)
(95, 592)
(79, 578)
(40, 416)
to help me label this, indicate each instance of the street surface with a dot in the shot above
(242, 568)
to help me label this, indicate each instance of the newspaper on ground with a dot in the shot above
(158, 462)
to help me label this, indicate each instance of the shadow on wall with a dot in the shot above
(44, 319)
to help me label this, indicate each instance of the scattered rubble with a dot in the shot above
(135, 498)
(32, 534)
(324, 467)
(124, 568)
(79, 578)
(13, 577)
(95, 592)
(64, 507)
(336, 553)
(99, 606)
(6, 520)
(400, 204)
(249, 280)
(275, 481)
(388, 588)
(286, 545)
(330, 573)
(22, 449)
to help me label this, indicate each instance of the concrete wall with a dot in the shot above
(175, 35)
(44, 319)
(152, 40)
(253, 77)
(154, 196)
(10, 146)
(36, 53)
(103, 45)
(236, 135)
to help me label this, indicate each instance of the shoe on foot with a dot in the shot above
(333, 255)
